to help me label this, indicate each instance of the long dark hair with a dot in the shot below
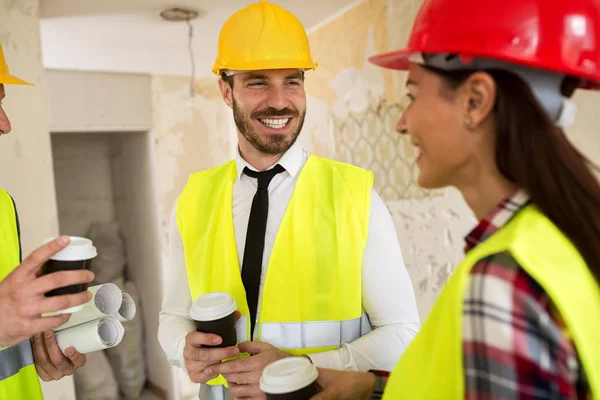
(535, 154)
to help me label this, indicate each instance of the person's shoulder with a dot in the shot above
(344, 166)
(196, 177)
(500, 274)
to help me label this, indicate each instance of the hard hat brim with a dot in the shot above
(263, 65)
(400, 60)
(397, 60)
(13, 80)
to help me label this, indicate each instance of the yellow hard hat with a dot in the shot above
(5, 76)
(263, 36)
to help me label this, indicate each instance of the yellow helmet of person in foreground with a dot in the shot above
(263, 36)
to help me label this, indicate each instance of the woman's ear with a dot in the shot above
(479, 94)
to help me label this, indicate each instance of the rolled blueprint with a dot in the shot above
(106, 301)
(127, 310)
(100, 334)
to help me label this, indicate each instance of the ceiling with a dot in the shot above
(130, 36)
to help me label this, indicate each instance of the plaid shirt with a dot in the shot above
(515, 343)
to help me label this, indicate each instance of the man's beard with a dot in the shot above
(269, 144)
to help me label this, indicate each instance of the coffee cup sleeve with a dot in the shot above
(100, 334)
(106, 301)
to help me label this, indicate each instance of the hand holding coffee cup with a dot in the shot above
(292, 378)
(215, 337)
(77, 255)
(215, 313)
(22, 299)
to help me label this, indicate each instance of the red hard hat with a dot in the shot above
(561, 36)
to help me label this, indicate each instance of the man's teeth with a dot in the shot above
(275, 123)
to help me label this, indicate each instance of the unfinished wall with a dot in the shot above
(25, 155)
(84, 185)
(136, 209)
(190, 134)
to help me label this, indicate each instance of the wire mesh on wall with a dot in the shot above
(369, 140)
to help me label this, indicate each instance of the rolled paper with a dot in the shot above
(106, 302)
(96, 335)
(127, 310)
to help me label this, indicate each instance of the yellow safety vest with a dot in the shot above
(18, 376)
(432, 366)
(312, 295)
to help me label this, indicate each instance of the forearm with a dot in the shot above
(172, 331)
(380, 349)
(174, 323)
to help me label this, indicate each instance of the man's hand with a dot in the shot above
(243, 375)
(22, 300)
(344, 385)
(50, 362)
(198, 358)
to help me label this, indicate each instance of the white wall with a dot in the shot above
(84, 186)
(98, 101)
(106, 177)
(137, 210)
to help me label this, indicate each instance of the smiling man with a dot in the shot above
(304, 244)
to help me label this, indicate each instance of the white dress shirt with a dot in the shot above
(387, 293)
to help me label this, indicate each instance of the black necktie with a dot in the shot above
(255, 239)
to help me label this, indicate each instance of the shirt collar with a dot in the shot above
(291, 161)
(498, 218)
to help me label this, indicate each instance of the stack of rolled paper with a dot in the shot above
(97, 326)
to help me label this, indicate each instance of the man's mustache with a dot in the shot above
(273, 112)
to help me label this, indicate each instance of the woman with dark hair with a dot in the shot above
(490, 84)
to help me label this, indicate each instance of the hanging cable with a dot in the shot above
(192, 61)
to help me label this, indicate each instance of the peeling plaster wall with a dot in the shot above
(190, 134)
(353, 109)
(25, 154)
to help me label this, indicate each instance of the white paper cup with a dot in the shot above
(76, 256)
(292, 378)
(215, 313)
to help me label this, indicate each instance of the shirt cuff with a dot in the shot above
(180, 360)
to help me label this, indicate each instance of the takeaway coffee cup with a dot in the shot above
(293, 378)
(215, 313)
(77, 255)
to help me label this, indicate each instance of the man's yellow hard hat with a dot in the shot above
(5, 76)
(263, 36)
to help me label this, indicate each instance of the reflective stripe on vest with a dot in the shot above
(432, 365)
(312, 292)
(12, 359)
(306, 335)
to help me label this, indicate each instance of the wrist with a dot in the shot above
(370, 384)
